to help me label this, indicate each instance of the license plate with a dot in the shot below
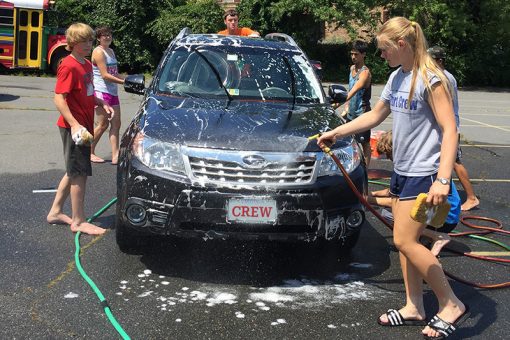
(251, 210)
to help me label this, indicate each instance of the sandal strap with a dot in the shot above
(441, 326)
(394, 317)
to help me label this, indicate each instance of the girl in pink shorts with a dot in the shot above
(106, 78)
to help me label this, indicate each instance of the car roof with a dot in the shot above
(238, 41)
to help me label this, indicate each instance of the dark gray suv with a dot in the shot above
(219, 148)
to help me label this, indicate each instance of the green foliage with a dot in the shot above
(475, 33)
(128, 20)
(142, 28)
(304, 19)
(202, 16)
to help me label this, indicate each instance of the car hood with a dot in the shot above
(238, 125)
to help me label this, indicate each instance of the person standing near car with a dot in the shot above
(106, 78)
(74, 99)
(439, 55)
(231, 20)
(360, 91)
(419, 97)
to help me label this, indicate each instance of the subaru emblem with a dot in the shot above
(255, 161)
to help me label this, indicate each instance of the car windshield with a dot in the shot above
(245, 73)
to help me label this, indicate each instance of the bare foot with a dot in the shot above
(470, 204)
(114, 161)
(59, 218)
(450, 315)
(381, 193)
(96, 159)
(87, 228)
(439, 243)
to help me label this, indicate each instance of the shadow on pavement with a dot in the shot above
(7, 97)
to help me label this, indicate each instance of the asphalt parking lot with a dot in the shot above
(230, 290)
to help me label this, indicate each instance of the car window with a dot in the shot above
(245, 73)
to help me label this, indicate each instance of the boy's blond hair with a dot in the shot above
(77, 33)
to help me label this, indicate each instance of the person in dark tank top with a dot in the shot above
(360, 91)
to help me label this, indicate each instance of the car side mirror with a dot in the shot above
(135, 83)
(337, 93)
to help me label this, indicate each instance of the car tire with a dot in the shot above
(349, 242)
(125, 241)
(338, 247)
(57, 58)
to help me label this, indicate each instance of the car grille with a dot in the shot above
(238, 168)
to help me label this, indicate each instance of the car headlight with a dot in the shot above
(349, 156)
(157, 154)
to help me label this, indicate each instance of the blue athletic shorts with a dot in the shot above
(408, 188)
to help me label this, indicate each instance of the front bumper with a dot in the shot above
(173, 206)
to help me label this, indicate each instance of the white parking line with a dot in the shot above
(485, 124)
(40, 191)
(487, 180)
(485, 146)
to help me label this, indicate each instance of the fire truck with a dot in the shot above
(26, 42)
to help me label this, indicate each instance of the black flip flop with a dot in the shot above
(445, 328)
(396, 319)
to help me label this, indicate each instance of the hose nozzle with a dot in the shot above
(314, 137)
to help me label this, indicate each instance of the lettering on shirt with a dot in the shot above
(112, 69)
(403, 103)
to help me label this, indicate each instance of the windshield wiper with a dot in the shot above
(293, 81)
(215, 71)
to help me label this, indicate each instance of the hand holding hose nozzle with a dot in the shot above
(325, 141)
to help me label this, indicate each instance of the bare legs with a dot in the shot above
(418, 264)
(471, 199)
(56, 215)
(439, 240)
(102, 125)
(74, 186)
(114, 134)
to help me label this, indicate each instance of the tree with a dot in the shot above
(305, 19)
(128, 20)
(201, 16)
(475, 33)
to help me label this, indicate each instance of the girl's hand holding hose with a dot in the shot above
(326, 139)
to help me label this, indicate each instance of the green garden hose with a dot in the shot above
(91, 283)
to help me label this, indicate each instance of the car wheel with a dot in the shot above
(57, 58)
(338, 247)
(350, 242)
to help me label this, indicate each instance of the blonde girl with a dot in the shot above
(418, 95)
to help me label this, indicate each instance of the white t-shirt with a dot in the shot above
(416, 133)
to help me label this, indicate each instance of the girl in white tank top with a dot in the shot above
(106, 78)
